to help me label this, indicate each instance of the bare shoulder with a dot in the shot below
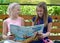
(21, 18)
(5, 21)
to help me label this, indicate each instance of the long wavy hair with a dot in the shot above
(45, 14)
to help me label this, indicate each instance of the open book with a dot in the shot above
(20, 31)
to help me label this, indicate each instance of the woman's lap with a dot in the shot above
(43, 41)
(10, 41)
(38, 41)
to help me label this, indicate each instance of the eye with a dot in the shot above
(39, 10)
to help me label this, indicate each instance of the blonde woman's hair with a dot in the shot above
(10, 7)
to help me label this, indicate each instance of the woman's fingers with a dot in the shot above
(11, 37)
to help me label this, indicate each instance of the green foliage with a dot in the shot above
(54, 10)
(31, 1)
(31, 10)
(23, 1)
(3, 9)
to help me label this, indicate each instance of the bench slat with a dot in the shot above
(1, 23)
(56, 24)
(55, 17)
(23, 16)
(30, 23)
(28, 17)
(1, 30)
(54, 37)
(55, 30)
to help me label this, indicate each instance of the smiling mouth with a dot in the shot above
(39, 14)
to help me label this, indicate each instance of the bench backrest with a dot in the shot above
(55, 23)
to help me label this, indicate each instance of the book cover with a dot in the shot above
(20, 31)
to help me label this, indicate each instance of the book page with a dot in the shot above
(20, 31)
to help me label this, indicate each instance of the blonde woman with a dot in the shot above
(13, 12)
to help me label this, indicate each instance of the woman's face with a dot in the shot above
(16, 10)
(40, 11)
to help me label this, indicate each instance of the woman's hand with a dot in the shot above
(39, 35)
(11, 37)
(42, 35)
(26, 37)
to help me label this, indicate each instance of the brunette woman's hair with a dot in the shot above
(45, 14)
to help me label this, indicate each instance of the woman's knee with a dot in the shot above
(7, 41)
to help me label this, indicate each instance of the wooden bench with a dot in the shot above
(29, 17)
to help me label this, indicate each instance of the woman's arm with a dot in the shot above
(22, 20)
(5, 30)
(49, 30)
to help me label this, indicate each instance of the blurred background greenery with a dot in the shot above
(31, 9)
(31, 1)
